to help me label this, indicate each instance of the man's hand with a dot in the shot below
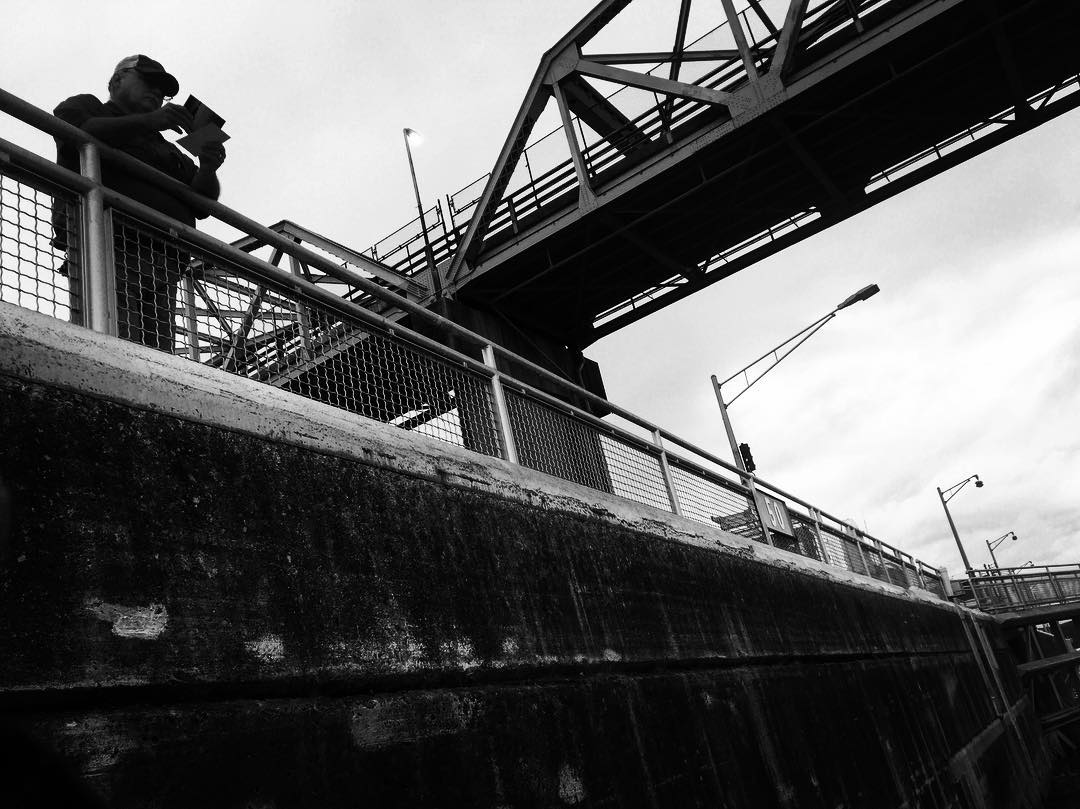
(171, 116)
(213, 155)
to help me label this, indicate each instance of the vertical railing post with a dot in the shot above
(862, 552)
(665, 470)
(917, 565)
(99, 286)
(815, 515)
(1055, 585)
(302, 313)
(881, 560)
(190, 316)
(502, 414)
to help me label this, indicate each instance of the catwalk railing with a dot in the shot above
(77, 250)
(1016, 589)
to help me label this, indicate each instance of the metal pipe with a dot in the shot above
(665, 471)
(502, 413)
(956, 536)
(727, 425)
(190, 317)
(436, 281)
(100, 310)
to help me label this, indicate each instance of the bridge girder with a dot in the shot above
(784, 133)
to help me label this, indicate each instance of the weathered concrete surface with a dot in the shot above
(215, 593)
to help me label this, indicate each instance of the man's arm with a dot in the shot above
(119, 129)
(206, 179)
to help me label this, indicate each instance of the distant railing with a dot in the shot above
(1016, 589)
(121, 268)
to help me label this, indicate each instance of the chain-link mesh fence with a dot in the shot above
(176, 297)
(39, 246)
(715, 501)
(556, 443)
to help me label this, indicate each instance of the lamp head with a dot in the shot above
(861, 295)
(412, 136)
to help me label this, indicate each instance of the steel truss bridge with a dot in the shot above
(673, 169)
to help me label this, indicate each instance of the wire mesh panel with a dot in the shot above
(556, 443)
(806, 541)
(846, 552)
(635, 472)
(178, 298)
(39, 246)
(706, 500)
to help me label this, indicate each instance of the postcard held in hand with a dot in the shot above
(206, 130)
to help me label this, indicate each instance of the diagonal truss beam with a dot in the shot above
(740, 40)
(531, 108)
(597, 112)
(789, 35)
(565, 66)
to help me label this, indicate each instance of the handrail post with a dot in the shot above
(99, 290)
(881, 560)
(918, 571)
(665, 470)
(190, 316)
(502, 413)
(815, 515)
(1055, 585)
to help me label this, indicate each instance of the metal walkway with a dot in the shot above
(680, 167)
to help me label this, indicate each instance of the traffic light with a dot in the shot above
(747, 458)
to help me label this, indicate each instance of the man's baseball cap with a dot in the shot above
(153, 71)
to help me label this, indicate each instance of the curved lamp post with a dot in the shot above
(805, 334)
(947, 495)
(411, 135)
(993, 543)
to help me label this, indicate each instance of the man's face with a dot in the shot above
(134, 93)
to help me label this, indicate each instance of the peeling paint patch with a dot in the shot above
(571, 790)
(142, 623)
(268, 648)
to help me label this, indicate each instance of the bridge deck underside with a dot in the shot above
(812, 157)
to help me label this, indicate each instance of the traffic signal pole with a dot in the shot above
(736, 454)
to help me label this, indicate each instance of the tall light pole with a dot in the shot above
(947, 495)
(993, 543)
(805, 334)
(410, 135)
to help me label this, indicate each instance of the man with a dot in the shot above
(148, 268)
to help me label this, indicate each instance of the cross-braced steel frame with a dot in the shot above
(770, 121)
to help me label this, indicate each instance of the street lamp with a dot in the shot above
(993, 543)
(413, 135)
(947, 495)
(737, 451)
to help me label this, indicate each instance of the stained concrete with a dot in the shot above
(215, 593)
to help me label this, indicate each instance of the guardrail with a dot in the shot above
(124, 269)
(1016, 589)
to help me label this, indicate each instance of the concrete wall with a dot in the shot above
(216, 593)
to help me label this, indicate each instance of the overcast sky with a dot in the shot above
(967, 362)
